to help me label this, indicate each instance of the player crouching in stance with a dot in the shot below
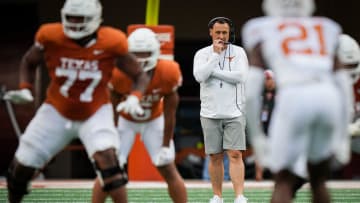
(309, 116)
(156, 122)
(79, 55)
(348, 54)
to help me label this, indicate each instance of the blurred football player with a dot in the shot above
(80, 56)
(348, 53)
(159, 102)
(301, 50)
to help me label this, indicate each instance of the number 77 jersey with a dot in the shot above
(79, 75)
(297, 49)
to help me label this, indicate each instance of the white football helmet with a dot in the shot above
(288, 8)
(349, 54)
(144, 40)
(90, 10)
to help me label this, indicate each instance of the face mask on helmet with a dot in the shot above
(81, 18)
(349, 55)
(288, 8)
(144, 44)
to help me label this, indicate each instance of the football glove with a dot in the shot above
(131, 106)
(22, 96)
(164, 157)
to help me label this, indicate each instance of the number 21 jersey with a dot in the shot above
(299, 50)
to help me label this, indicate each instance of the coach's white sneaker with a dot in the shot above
(240, 199)
(216, 199)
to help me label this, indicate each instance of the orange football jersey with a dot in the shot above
(79, 75)
(166, 79)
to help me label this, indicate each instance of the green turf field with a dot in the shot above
(160, 195)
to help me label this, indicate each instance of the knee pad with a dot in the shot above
(111, 172)
(18, 178)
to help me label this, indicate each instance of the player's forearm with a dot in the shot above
(171, 102)
(169, 126)
(168, 136)
(27, 74)
(141, 82)
(28, 65)
(115, 99)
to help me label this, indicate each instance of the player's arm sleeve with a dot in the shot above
(234, 76)
(204, 65)
(173, 80)
(41, 37)
(119, 41)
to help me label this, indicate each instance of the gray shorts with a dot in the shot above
(223, 134)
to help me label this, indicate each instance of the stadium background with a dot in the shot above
(19, 20)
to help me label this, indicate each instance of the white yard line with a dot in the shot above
(86, 184)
